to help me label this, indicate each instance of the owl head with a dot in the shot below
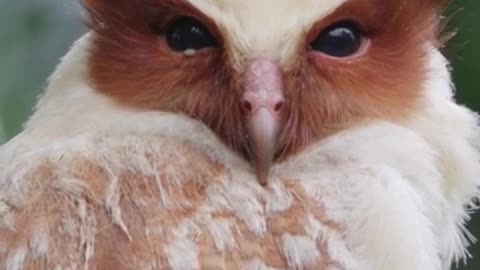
(268, 77)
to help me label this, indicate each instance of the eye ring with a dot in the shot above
(187, 34)
(344, 39)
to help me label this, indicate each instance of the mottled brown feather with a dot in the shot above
(82, 232)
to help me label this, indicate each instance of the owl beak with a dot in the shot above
(263, 101)
(263, 128)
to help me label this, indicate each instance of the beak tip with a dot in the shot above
(263, 174)
(263, 179)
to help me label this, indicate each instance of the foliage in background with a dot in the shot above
(34, 34)
(464, 51)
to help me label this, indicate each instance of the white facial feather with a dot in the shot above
(250, 33)
(399, 192)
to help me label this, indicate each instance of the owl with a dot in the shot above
(262, 135)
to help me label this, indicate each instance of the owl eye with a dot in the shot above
(341, 39)
(187, 33)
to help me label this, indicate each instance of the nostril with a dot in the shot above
(278, 106)
(247, 106)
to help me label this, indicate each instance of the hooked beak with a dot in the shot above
(263, 129)
(263, 102)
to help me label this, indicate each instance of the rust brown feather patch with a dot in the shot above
(132, 64)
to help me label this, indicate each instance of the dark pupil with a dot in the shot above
(339, 40)
(187, 33)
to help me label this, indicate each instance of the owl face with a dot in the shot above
(268, 77)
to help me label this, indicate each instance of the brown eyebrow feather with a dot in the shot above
(396, 16)
(128, 14)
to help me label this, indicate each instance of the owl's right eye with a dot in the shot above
(186, 33)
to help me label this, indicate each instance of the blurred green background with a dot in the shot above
(34, 34)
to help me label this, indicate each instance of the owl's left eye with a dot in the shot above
(187, 33)
(342, 39)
